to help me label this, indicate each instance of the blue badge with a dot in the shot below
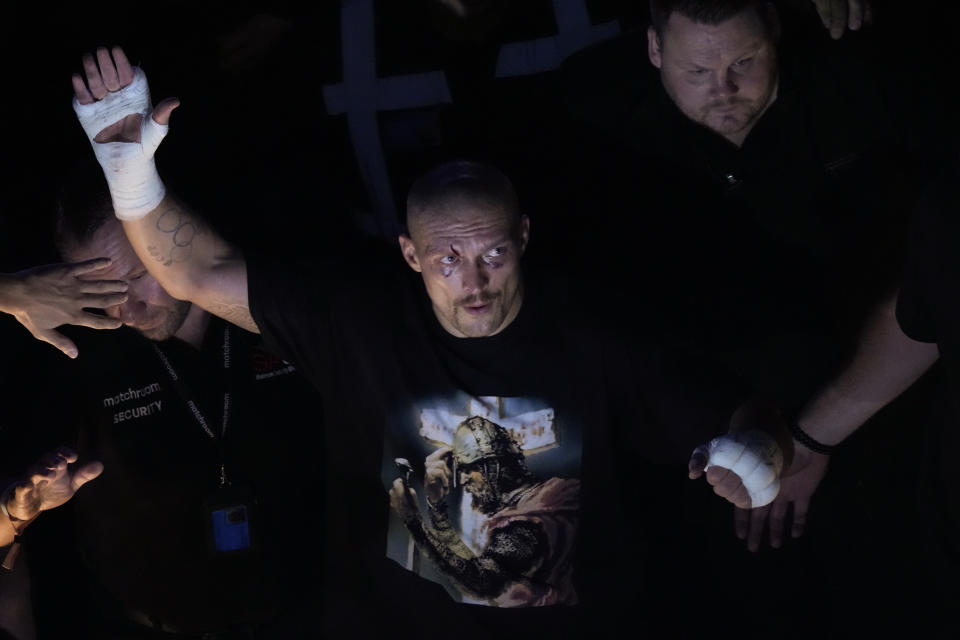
(231, 528)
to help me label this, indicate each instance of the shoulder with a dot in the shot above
(939, 206)
(927, 293)
(935, 221)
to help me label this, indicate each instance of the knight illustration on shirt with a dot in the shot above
(511, 542)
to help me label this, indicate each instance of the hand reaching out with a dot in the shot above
(797, 486)
(49, 483)
(44, 298)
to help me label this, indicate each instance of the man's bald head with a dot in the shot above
(466, 238)
(456, 186)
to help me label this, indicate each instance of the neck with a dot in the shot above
(514, 310)
(194, 327)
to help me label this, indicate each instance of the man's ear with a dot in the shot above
(654, 47)
(409, 253)
(524, 233)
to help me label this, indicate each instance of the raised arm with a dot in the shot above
(188, 258)
(192, 262)
(49, 483)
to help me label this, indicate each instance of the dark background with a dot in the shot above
(232, 140)
(225, 61)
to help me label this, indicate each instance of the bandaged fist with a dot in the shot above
(742, 467)
(49, 483)
(113, 105)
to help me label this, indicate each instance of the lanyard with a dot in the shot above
(187, 398)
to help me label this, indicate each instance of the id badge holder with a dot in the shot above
(231, 521)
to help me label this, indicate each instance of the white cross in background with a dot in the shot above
(362, 93)
(533, 431)
(574, 32)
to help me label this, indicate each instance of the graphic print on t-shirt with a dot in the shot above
(266, 365)
(485, 498)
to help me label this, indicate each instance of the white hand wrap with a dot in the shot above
(131, 173)
(755, 457)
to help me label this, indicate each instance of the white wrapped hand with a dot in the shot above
(753, 456)
(129, 167)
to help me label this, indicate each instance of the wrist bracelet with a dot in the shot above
(10, 559)
(4, 498)
(807, 440)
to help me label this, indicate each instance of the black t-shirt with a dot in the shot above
(928, 310)
(141, 528)
(395, 385)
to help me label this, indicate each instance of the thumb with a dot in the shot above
(161, 113)
(86, 473)
(60, 341)
(698, 461)
(25, 503)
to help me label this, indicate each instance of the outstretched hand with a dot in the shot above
(797, 486)
(49, 483)
(109, 72)
(839, 15)
(44, 298)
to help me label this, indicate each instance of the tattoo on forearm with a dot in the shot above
(182, 230)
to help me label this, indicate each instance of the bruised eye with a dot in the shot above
(494, 254)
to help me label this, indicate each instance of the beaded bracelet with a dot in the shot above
(807, 440)
(4, 498)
